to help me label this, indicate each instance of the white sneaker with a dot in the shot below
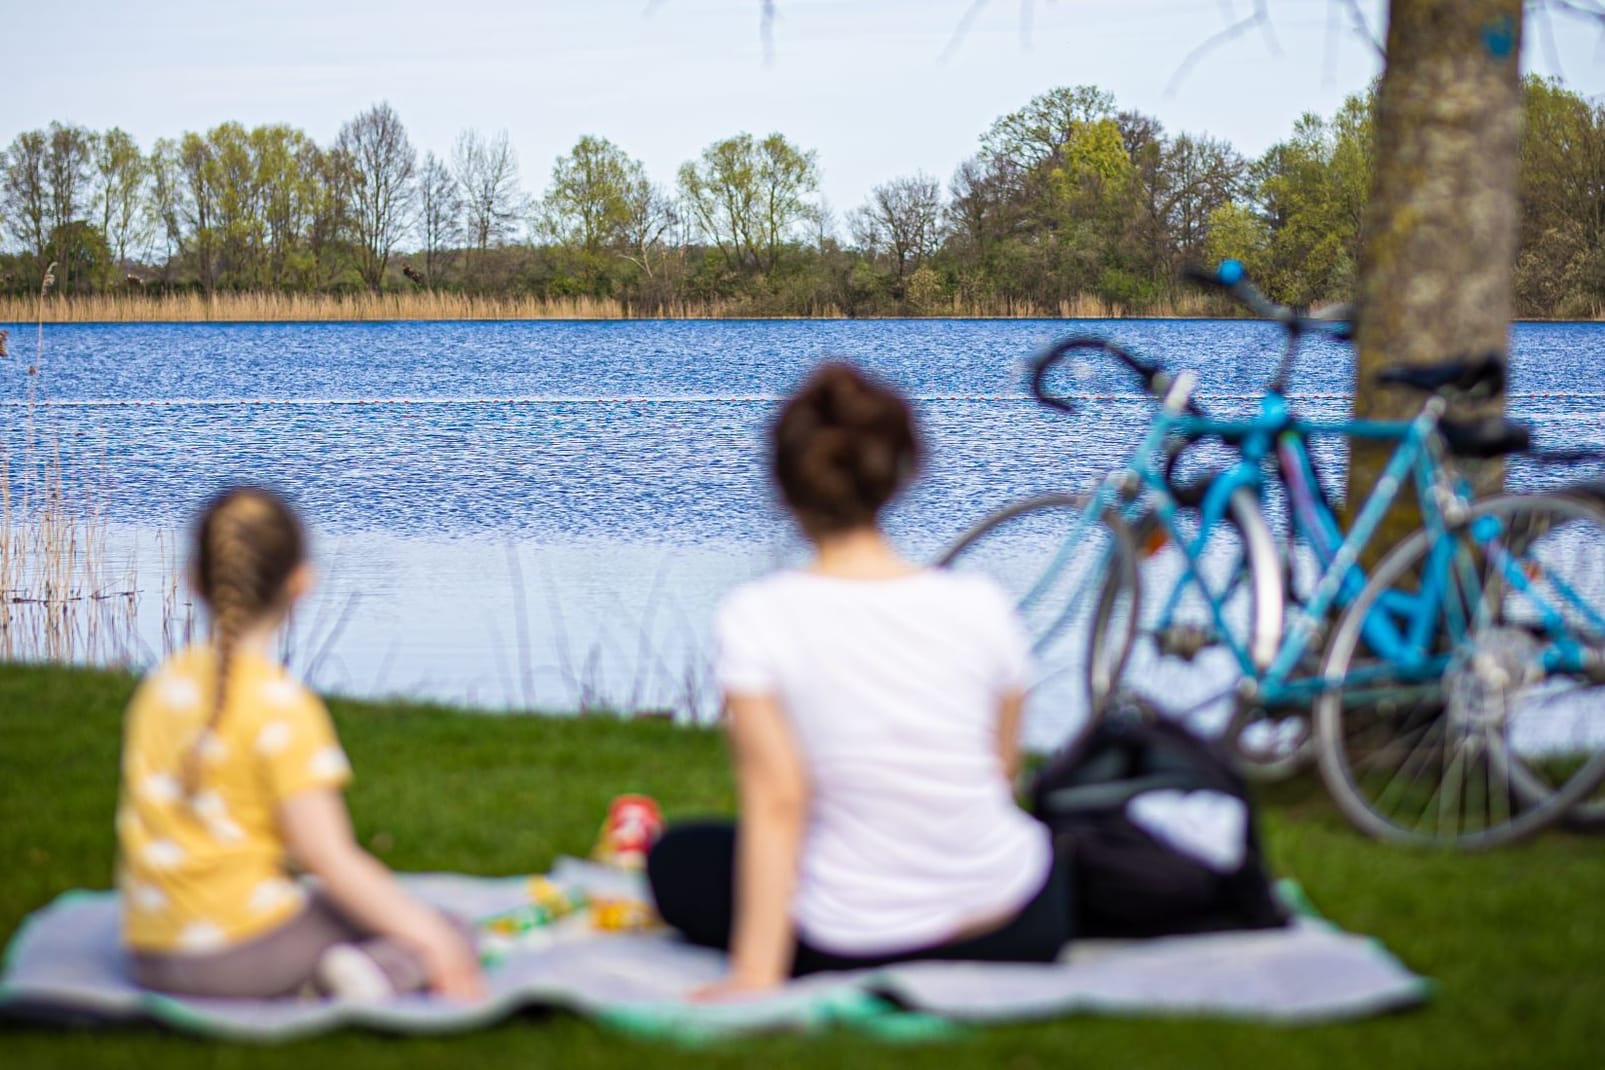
(348, 973)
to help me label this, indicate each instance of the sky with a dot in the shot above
(879, 88)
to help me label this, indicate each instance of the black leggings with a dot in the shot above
(692, 870)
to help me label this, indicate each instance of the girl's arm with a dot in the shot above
(318, 831)
(773, 792)
(1009, 713)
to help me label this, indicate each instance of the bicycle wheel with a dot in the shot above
(1496, 731)
(1052, 555)
(1183, 664)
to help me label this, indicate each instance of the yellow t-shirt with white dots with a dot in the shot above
(206, 872)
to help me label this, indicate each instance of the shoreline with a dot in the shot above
(15, 325)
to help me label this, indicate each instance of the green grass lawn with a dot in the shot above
(1515, 939)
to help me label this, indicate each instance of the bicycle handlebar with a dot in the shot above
(1154, 378)
(1232, 278)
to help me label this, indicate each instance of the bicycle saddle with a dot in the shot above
(1493, 436)
(1483, 376)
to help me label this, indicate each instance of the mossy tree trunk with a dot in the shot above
(1437, 260)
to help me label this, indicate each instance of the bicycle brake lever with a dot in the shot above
(1181, 388)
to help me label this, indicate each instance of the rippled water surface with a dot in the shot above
(519, 514)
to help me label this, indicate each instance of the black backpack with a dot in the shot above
(1157, 831)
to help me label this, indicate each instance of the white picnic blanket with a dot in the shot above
(66, 965)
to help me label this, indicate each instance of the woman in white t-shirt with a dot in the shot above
(873, 707)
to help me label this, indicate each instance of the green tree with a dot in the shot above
(1313, 189)
(589, 206)
(749, 197)
(286, 178)
(68, 152)
(122, 174)
(1037, 133)
(235, 180)
(82, 250)
(1237, 232)
(329, 259)
(25, 194)
(164, 210)
(1560, 266)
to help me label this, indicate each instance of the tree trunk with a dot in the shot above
(1437, 260)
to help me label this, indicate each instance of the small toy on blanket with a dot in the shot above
(610, 897)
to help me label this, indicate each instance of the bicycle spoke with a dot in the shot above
(1449, 788)
(1498, 757)
(1411, 764)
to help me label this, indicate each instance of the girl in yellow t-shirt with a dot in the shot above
(231, 772)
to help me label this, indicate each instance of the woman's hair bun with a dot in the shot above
(844, 445)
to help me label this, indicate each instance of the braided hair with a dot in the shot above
(247, 544)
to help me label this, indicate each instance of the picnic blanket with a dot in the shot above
(65, 965)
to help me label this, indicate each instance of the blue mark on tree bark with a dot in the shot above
(1499, 36)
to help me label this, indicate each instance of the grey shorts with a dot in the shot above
(281, 962)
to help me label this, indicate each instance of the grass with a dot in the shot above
(270, 306)
(1515, 939)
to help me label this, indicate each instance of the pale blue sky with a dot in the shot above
(864, 82)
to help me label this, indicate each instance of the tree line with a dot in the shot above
(1067, 198)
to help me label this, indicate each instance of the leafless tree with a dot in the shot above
(651, 214)
(904, 218)
(383, 167)
(486, 170)
(440, 213)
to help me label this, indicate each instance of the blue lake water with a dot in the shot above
(544, 514)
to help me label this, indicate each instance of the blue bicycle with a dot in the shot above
(1456, 698)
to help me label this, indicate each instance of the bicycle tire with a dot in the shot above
(1266, 613)
(1113, 616)
(1447, 721)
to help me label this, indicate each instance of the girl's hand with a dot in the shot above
(452, 966)
(734, 987)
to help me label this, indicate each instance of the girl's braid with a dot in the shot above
(249, 543)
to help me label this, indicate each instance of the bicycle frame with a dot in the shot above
(1399, 628)
(1401, 642)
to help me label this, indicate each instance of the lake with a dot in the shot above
(543, 515)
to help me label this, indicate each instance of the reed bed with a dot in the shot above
(273, 307)
(61, 597)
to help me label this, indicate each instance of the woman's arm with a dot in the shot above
(773, 792)
(1009, 713)
(318, 832)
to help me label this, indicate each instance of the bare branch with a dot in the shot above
(1258, 19)
(1588, 9)
(1546, 37)
(1267, 30)
(962, 30)
(766, 30)
(1362, 25)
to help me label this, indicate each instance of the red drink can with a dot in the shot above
(633, 825)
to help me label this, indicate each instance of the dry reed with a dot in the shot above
(273, 307)
(270, 307)
(60, 597)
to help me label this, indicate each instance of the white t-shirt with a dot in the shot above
(892, 689)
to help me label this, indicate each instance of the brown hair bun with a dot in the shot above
(844, 445)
